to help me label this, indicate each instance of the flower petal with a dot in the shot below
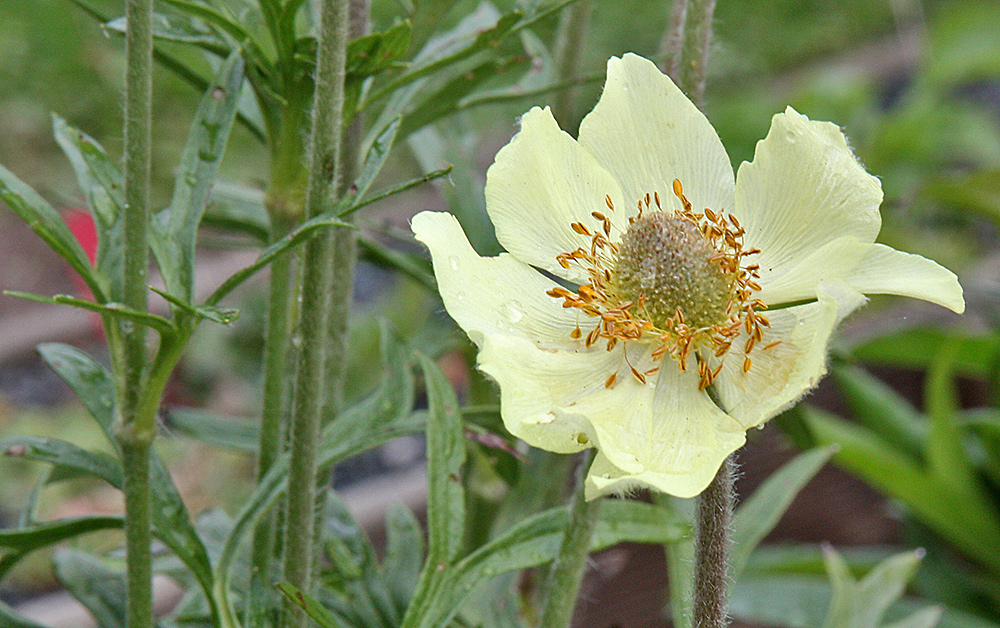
(884, 270)
(869, 269)
(539, 389)
(646, 133)
(670, 437)
(803, 189)
(779, 376)
(541, 183)
(491, 295)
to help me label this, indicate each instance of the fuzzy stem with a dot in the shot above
(563, 585)
(324, 172)
(715, 515)
(135, 431)
(671, 47)
(569, 44)
(697, 44)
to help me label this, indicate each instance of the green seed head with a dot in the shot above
(668, 260)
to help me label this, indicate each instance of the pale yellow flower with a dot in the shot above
(654, 314)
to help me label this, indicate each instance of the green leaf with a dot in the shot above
(51, 532)
(970, 525)
(445, 457)
(10, 620)
(179, 28)
(45, 221)
(413, 266)
(975, 354)
(211, 16)
(947, 457)
(64, 455)
(882, 410)
(110, 308)
(88, 379)
(94, 585)
(535, 541)
(978, 191)
(175, 229)
(761, 512)
(238, 208)
(373, 53)
(221, 315)
(306, 602)
(302, 233)
(104, 188)
(375, 420)
(404, 553)
(171, 522)
(861, 604)
(239, 433)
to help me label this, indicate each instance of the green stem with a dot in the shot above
(135, 429)
(697, 45)
(715, 515)
(281, 321)
(567, 571)
(324, 156)
(569, 43)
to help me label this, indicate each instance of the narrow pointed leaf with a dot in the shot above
(175, 229)
(882, 410)
(111, 308)
(94, 585)
(760, 513)
(45, 221)
(312, 608)
(103, 186)
(88, 379)
(65, 455)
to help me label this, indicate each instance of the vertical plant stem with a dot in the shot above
(671, 47)
(569, 44)
(134, 430)
(567, 571)
(715, 504)
(697, 44)
(324, 156)
(280, 327)
(715, 515)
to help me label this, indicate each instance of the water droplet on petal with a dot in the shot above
(513, 311)
(454, 262)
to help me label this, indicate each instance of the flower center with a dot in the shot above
(673, 279)
(667, 259)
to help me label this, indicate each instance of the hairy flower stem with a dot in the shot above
(693, 18)
(715, 515)
(672, 45)
(569, 43)
(563, 584)
(697, 44)
(324, 156)
(135, 431)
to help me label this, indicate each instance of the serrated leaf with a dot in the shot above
(175, 229)
(45, 221)
(94, 585)
(761, 512)
(103, 186)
